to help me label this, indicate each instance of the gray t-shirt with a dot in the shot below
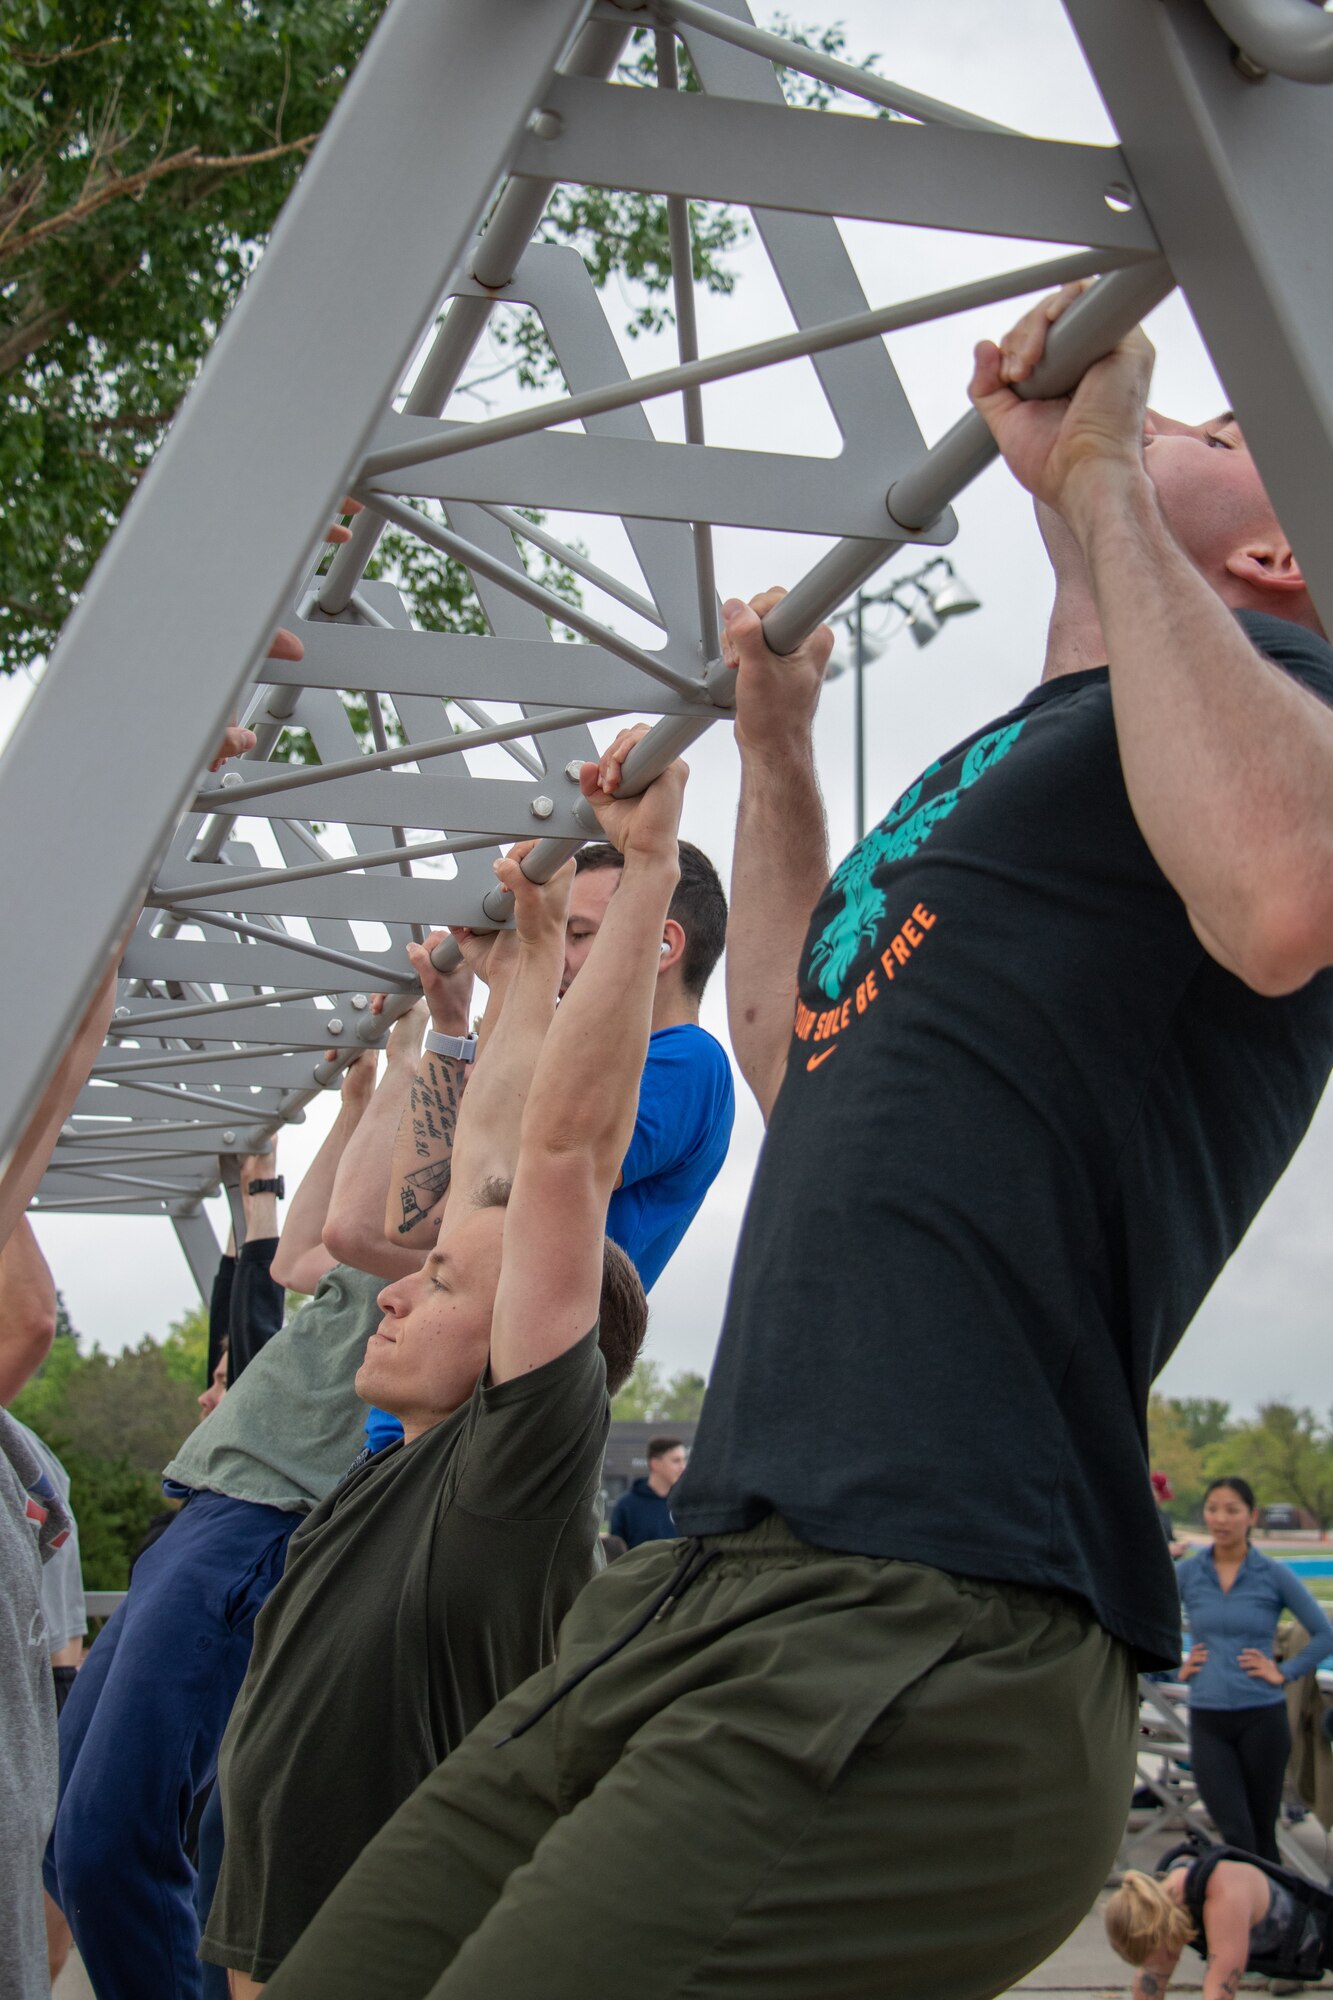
(63, 1607)
(32, 1522)
(289, 1430)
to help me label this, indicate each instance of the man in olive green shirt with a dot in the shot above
(433, 1580)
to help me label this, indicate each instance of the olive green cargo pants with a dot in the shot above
(809, 1777)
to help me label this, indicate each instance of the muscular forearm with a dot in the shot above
(301, 1258)
(1228, 762)
(422, 1155)
(514, 1031)
(779, 871)
(586, 1097)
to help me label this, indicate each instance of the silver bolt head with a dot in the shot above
(574, 770)
(229, 1138)
(546, 124)
(122, 1014)
(360, 1001)
(230, 780)
(542, 807)
(334, 1025)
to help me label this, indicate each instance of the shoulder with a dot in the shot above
(1297, 651)
(686, 1047)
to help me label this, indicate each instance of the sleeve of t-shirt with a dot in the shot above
(532, 1442)
(677, 1096)
(1302, 654)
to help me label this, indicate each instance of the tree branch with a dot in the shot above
(120, 187)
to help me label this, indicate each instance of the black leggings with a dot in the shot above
(1240, 1759)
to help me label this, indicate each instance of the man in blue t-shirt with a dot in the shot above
(686, 1100)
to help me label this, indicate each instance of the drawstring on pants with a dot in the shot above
(696, 1561)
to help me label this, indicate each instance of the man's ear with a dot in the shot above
(673, 940)
(1268, 566)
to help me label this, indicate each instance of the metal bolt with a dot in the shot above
(334, 1025)
(542, 807)
(229, 1138)
(359, 1001)
(122, 1014)
(574, 770)
(230, 779)
(546, 124)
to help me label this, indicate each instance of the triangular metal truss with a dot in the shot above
(280, 895)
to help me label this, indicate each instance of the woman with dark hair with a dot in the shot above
(1239, 1735)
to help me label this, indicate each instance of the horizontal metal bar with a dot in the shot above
(243, 1113)
(813, 62)
(121, 1130)
(523, 586)
(174, 1188)
(91, 1204)
(1289, 37)
(378, 975)
(736, 361)
(98, 1160)
(1093, 325)
(186, 1058)
(340, 864)
(293, 779)
(164, 1016)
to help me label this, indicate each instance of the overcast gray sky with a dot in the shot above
(1262, 1331)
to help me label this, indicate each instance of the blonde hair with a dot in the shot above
(1141, 1918)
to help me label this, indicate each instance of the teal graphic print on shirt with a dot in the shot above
(905, 828)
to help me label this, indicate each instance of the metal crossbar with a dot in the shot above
(270, 876)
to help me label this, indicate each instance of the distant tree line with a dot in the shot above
(1285, 1452)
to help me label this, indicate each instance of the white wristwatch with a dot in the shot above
(463, 1048)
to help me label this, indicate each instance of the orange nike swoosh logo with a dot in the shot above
(823, 1056)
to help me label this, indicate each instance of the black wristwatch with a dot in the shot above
(277, 1186)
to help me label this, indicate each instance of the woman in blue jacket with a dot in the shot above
(1240, 1739)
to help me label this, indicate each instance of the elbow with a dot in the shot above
(343, 1238)
(1280, 945)
(27, 1344)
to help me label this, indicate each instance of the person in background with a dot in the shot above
(1238, 1915)
(1163, 1493)
(643, 1513)
(1240, 1737)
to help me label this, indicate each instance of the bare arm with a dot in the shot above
(421, 1162)
(1151, 1978)
(27, 1310)
(301, 1259)
(1228, 762)
(29, 1159)
(353, 1230)
(581, 1109)
(526, 985)
(781, 857)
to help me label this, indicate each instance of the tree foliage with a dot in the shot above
(650, 1398)
(1285, 1453)
(146, 147)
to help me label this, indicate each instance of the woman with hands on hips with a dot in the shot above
(1240, 1738)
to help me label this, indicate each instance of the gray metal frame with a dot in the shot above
(253, 953)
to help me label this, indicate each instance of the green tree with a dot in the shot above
(128, 1407)
(1285, 1453)
(649, 1398)
(185, 1349)
(146, 147)
(1206, 1419)
(1171, 1450)
(113, 1505)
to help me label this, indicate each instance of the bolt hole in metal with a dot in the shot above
(1118, 198)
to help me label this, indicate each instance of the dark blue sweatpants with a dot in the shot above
(139, 1740)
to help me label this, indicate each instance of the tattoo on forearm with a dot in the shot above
(433, 1110)
(1148, 1985)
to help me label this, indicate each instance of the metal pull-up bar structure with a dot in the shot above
(278, 896)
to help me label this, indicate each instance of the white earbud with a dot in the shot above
(665, 947)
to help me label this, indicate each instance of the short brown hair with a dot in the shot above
(659, 1447)
(698, 905)
(622, 1319)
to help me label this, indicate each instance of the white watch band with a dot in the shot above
(463, 1048)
